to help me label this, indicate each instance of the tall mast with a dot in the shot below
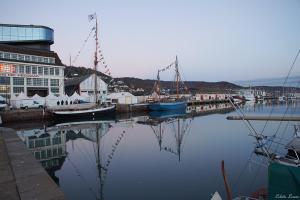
(158, 84)
(96, 60)
(177, 77)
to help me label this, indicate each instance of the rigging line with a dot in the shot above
(249, 125)
(82, 178)
(240, 113)
(286, 78)
(281, 121)
(89, 158)
(243, 170)
(255, 176)
(186, 86)
(82, 46)
(187, 132)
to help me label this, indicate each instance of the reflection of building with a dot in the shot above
(48, 147)
(26, 62)
(209, 108)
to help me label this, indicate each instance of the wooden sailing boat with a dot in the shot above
(94, 110)
(168, 103)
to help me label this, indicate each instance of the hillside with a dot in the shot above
(71, 72)
(135, 84)
(193, 86)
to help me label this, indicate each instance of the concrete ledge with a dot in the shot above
(21, 175)
(24, 115)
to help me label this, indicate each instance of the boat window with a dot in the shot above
(58, 103)
(62, 102)
(66, 102)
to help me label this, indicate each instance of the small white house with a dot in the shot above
(122, 98)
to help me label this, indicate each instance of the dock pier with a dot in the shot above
(21, 176)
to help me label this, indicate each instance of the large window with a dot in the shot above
(46, 71)
(27, 58)
(14, 56)
(38, 82)
(6, 55)
(28, 69)
(29, 81)
(54, 82)
(57, 71)
(45, 82)
(21, 69)
(40, 70)
(40, 59)
(56, 140)
(52, 60)
(20, 57)
(34, 70)
(4, 80)
(34, 58)
(18, 89)
(55, 90)
(46, 60)
(18, 81)
(51, 71)
(4, 89)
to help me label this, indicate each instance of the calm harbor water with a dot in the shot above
(168, 156)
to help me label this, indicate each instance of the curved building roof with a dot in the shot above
(25, 34)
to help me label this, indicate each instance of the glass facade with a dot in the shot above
(24, 57)
(17, 33)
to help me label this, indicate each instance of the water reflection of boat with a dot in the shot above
(167, 113)
(178, 125)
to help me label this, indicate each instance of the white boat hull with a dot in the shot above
(92, 112)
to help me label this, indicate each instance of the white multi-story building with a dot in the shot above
(26, 63)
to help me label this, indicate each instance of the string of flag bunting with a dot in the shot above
(167, 67)
(82, 46)
(181, 85)
(101, 59)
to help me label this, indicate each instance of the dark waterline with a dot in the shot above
(137, 161)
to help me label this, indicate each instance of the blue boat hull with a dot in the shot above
(166, 114)
(167, 105)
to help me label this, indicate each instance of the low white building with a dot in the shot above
(206, 97)
(85, 85)
(122, 98)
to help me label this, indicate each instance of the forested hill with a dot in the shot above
(147, 84)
